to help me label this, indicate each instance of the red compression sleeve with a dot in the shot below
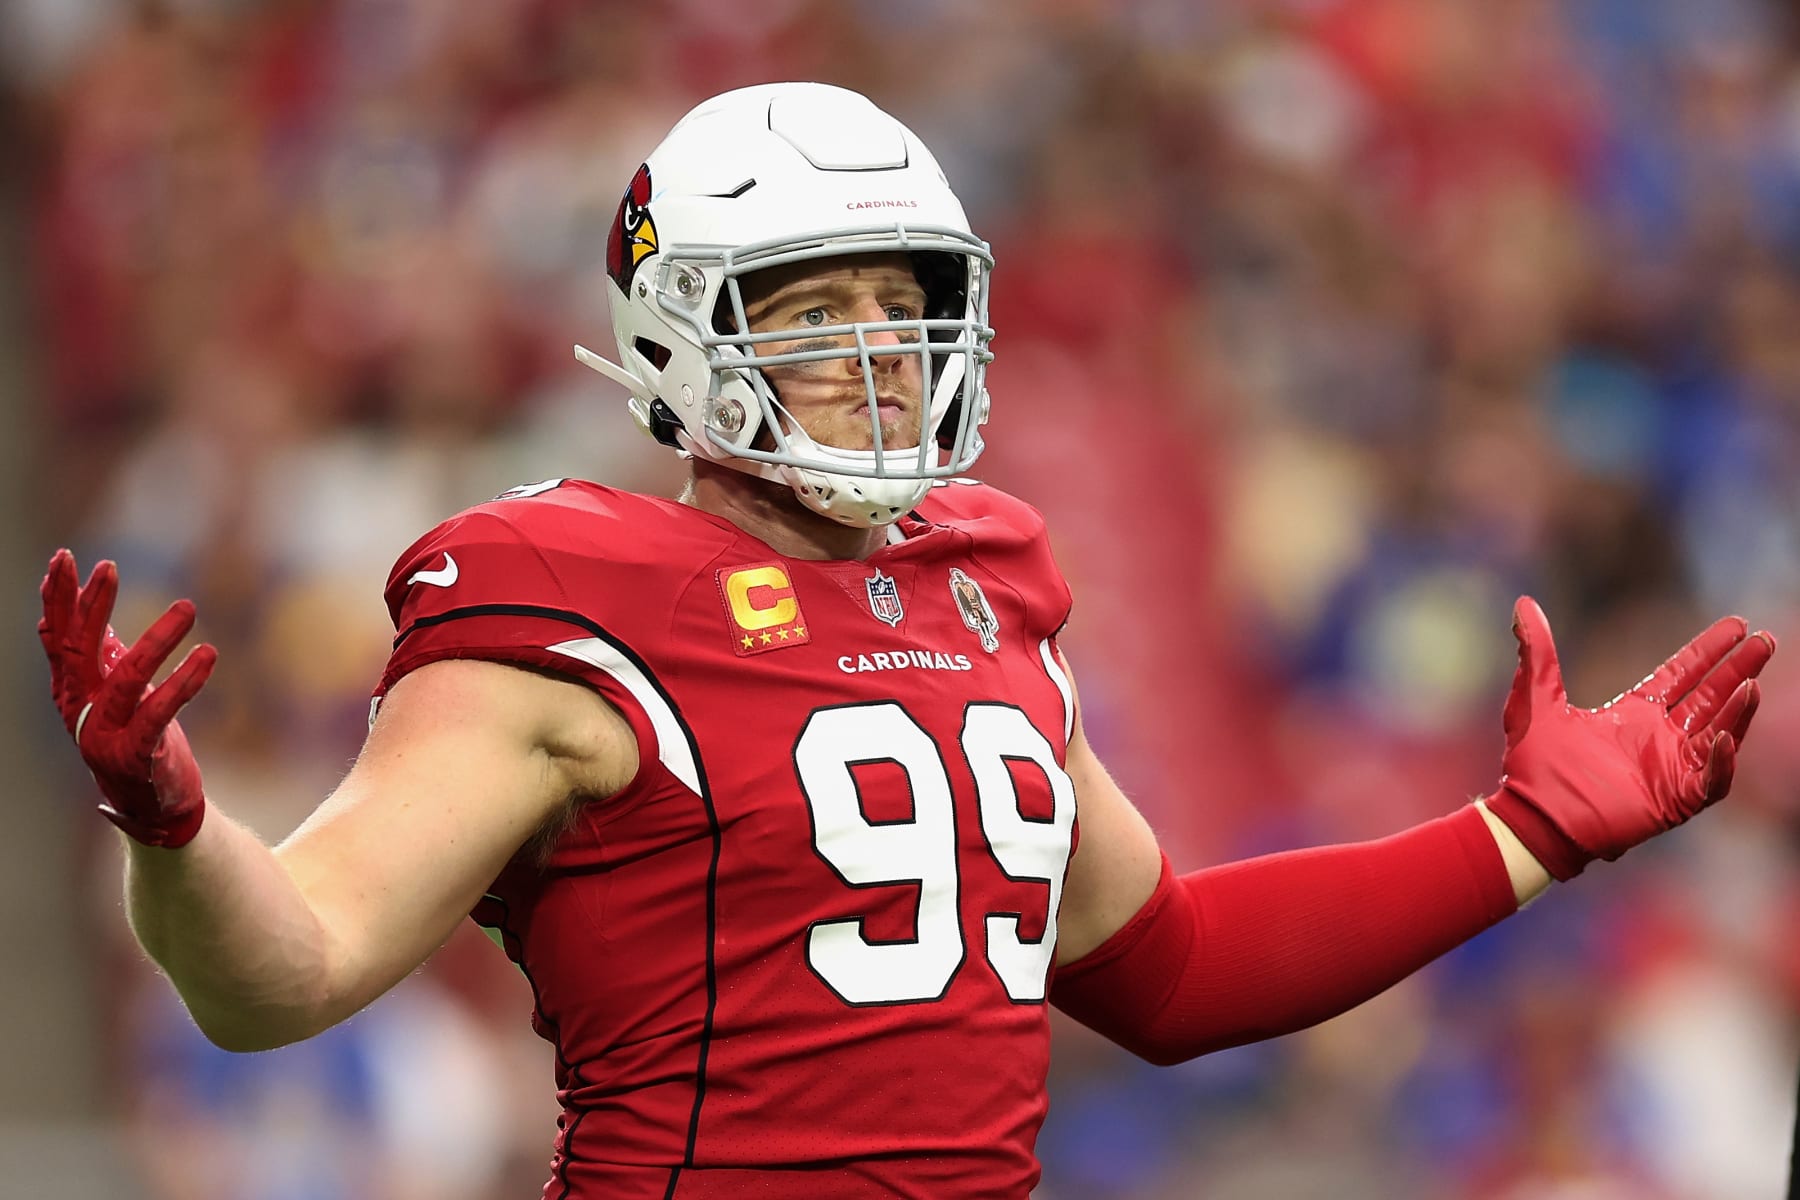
(1259, 948)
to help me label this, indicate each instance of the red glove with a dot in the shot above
(124, 728)
(1586, 783)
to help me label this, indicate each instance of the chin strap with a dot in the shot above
(859, 503)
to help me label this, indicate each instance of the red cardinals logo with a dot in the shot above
(633, 236)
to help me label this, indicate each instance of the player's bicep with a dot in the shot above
(1116, 863)
(465, 762)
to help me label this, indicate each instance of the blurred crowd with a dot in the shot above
(1326, 327)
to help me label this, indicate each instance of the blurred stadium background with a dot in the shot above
(1327, 326)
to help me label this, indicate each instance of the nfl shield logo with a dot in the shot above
(884, 599)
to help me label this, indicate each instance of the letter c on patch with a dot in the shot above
(761, 597)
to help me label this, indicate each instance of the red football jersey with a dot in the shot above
(805, 952)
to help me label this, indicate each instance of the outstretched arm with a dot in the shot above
(466, 760)
(1172, 967)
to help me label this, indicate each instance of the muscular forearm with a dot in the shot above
(237, 938)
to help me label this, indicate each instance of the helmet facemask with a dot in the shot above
(746, 424)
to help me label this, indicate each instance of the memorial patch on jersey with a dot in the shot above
(976, 612)
(764, 611)
(884, 598)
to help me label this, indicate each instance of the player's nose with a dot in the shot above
(869, 310)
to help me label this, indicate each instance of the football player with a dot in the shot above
(778, 792)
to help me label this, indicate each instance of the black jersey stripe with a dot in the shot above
(516, 951)
(512, 610)
(712, 819)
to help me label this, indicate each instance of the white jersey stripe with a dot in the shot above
(1055, 671)
(671, 739)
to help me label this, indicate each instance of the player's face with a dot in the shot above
(828, 398)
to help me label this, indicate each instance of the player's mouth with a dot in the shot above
(887, 407)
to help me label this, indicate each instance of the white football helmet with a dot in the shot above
(766, 176)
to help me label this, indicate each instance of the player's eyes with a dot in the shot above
(819, 316)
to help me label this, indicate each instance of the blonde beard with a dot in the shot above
(841, 431)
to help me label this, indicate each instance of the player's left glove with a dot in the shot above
(124, 728)
(1586, 783)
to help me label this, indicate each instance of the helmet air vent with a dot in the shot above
(657, 353)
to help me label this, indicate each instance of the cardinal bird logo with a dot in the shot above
(633, 237)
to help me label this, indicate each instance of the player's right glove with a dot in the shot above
(124, 728)
(1586, 783)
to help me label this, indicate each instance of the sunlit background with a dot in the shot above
(1326, 328)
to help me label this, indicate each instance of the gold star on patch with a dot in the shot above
(760, 603)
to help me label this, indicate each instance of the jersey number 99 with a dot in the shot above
(923, 850)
